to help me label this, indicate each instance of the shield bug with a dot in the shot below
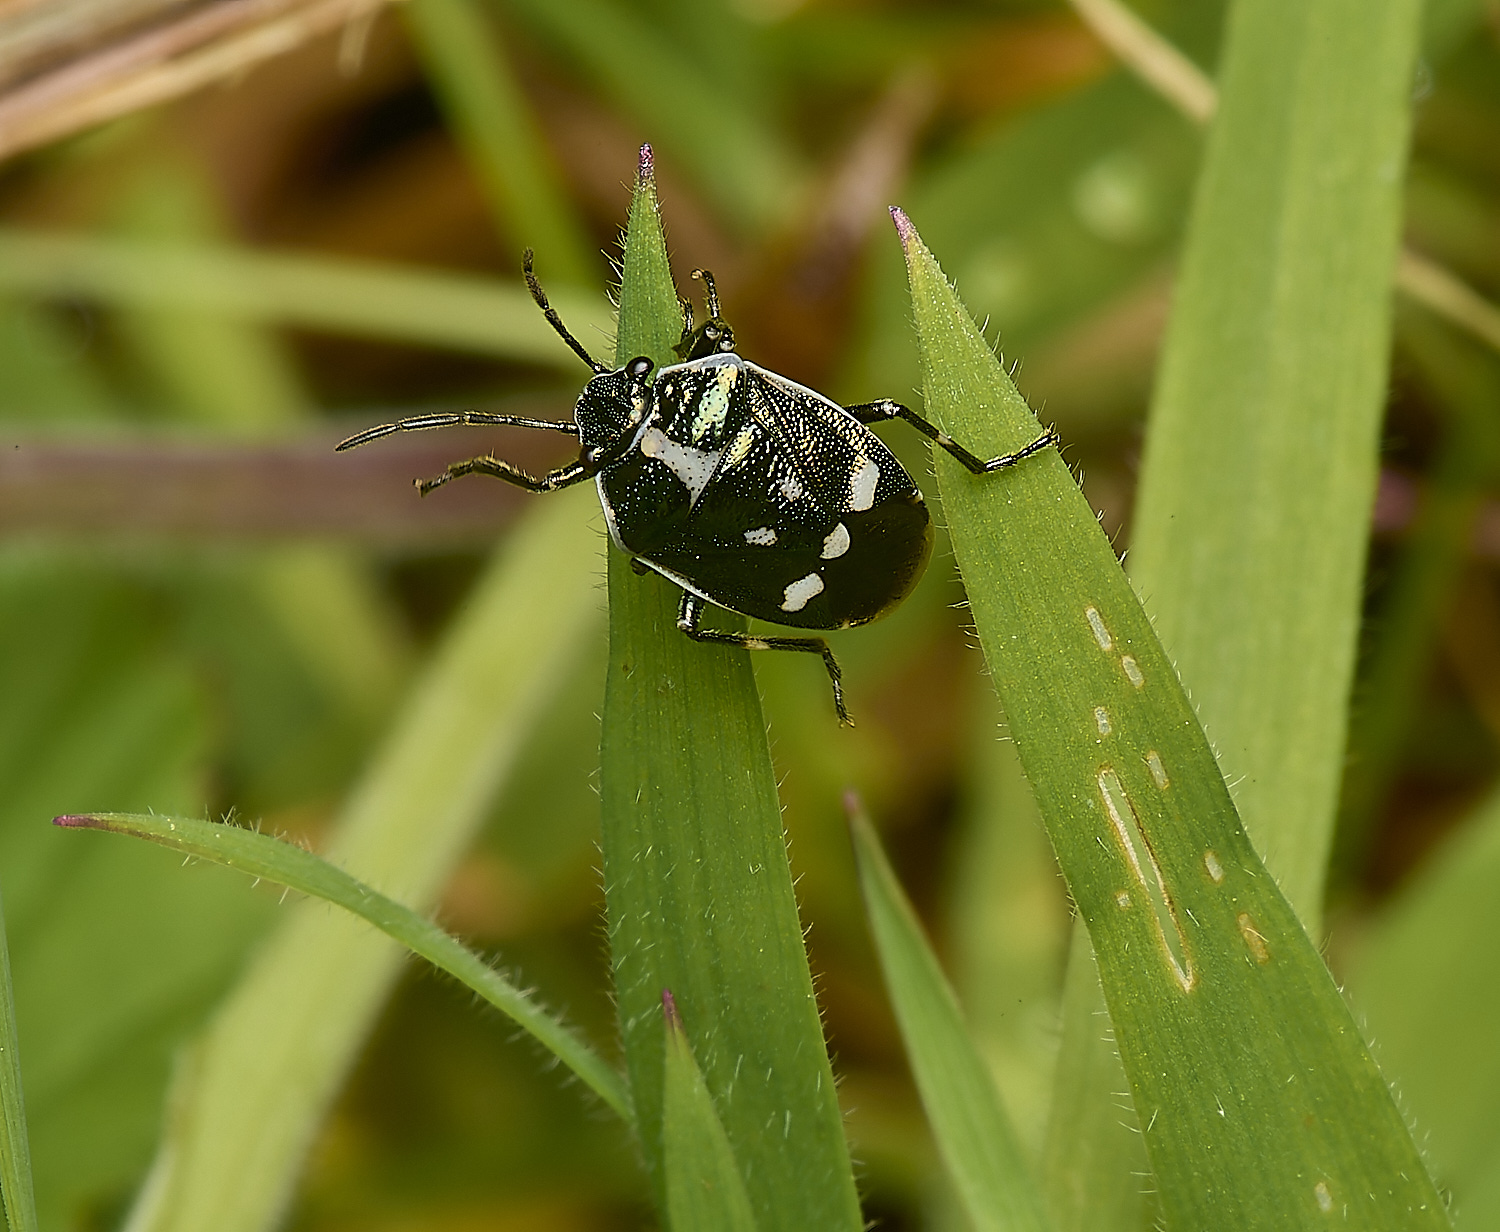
(743, 488)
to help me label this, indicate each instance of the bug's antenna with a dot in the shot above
(553, 319)
(713, 291)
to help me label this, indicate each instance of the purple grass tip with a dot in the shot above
(647, 168)
(904, 229)
(669, 1008)
(77, 821)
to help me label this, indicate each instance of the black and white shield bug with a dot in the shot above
(745, 489)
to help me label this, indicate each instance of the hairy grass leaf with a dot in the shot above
(1236, 1042)
(15, 1147)
(270, 859)
(695, 866)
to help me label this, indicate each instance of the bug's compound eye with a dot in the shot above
(639, 366)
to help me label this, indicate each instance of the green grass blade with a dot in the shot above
(405, 304)
(278, 1048)
(15, 1150)
(973, 1132)
(1259, 1104)
(698, 889)
(1427, 980)
(459, 48)
(1261, 456)
(1094, 1162)
(704, 1188)
(270, 859)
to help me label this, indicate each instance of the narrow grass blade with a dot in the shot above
(1094, 1163)
(1259, 1104)
(405, 304)
(260, 1080)
(973, 1132)
(15, 1149)
(1427, 980)
(460, 50)
(1261, 455)
(704, 1189)
(696, 879)
(270, 859)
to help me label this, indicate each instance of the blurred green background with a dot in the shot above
(204, 610)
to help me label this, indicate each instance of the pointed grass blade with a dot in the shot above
(270, 859)
(1258, 1101)
(704, 1189)
(973, 1132)
(15, 1149)
(696, 880)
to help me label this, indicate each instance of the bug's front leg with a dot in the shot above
(562, 477)
(885, 409)
(691, 612)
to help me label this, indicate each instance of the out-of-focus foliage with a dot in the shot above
(186, 673)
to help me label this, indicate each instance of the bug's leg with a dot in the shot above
(691, 612)
(553, 319)
(456, 419)
(639, 567)
(876, 412)
(562, 477)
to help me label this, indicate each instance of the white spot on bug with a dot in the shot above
(791, 488)
(1101, 720)
(1132, 670)
(1325, 1199)
(796, 595)
(1101, 633)
(713, 403)
(837, 542)
(862, 484)
(1158, 771)
(1215, 869)
(761, 537)
(693, 467)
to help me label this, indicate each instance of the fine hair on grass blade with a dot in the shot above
(698, 889)
(704, 1188)
(15, 1151)
(973, 1132)
(269, 859)
(1259, 1104)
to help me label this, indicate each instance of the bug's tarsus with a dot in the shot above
(709, 290)
(875, 412)
(690, 613)
(455, 419)
(553, 319)
(498, 468)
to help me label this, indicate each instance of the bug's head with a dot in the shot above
(613, 404)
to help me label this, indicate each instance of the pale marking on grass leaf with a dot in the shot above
(1325, 1199)
(1128, 829)
(1132, 670)
(1123, 898)
(1158, 771)
(1101, 632)
(1101, 720)
(1215, 869)
(1253, 938)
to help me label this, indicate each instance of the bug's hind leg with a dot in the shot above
(562, 477)
(691, 612)
(876, 412)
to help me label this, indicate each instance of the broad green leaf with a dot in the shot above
(696, 880)
(405, 304)
(15, 1147)
(1427, 982)
(1261, 452)
(1205, 967)
(269, 859)
(704, 1189)
(973, 1132)
(279, 1047)
(471, 74)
